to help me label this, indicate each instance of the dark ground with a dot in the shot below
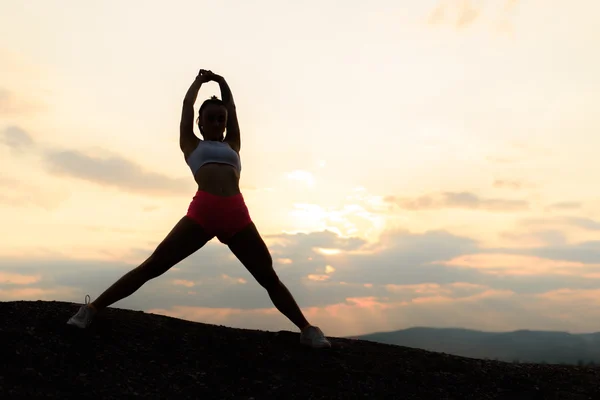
(129, 354)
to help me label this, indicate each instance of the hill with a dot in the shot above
(522, 345)
(131, 354)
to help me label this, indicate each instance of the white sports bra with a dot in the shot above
(211, 151)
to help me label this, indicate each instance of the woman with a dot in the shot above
(218, 209)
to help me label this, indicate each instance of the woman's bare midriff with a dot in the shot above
(218, 179)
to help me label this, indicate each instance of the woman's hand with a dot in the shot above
(208, 75)
(204, 76)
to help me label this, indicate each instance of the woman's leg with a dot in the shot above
(184, 239)
(249, 247)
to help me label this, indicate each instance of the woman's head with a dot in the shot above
(212, 119)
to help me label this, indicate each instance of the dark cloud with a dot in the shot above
(584, 223)
(211, 277)
(115, 171)
(409, 259)
(406, 262)
(16, 138)
(464, 200)
(584, 252)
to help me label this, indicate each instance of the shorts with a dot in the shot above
(219, 216)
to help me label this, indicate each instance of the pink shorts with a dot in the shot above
(220, 216)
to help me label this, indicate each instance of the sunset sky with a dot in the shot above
(430, 163)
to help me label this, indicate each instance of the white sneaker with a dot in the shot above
(313, 336)
(84, 316)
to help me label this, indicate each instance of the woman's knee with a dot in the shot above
(165, 256)
(269, 278)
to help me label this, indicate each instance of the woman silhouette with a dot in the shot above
(217, 209)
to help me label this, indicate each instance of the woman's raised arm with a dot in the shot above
(187, 138)
(233, 129)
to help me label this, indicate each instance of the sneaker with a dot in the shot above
(84, 316)
(313, 336)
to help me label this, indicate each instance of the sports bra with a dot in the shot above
(211, 151)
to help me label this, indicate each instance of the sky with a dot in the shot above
(428, 163)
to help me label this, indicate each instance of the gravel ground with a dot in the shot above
(130, 354)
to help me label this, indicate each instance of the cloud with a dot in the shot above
(433, 278)
(405, 258)
(461, 200)
(109, 169)
(232, 280)
(316, 277)
(483, 308)
(516, 264)
(16, 139)
(33, 293)
(585, 252)
(565, 205)
(213, 270)
(428, 290)
(400, 258)
(18, 279)
(357, 214)
(183, 282)
(114, 171)
(562, 221)
(584, 223)
(554, 233)
(358, 312)
(584, 297)
(315, 240)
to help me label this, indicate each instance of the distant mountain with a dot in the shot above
(522, 345)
